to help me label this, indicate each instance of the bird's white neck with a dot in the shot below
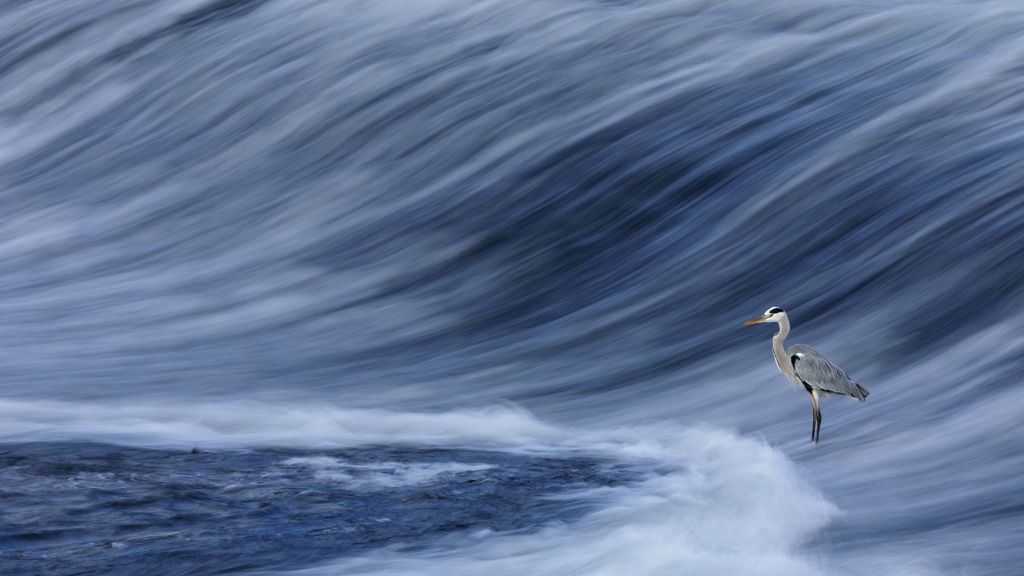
(781, 358)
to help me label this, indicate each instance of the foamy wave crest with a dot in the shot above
(714, 502)
(240, 424)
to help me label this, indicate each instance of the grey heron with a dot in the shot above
(807, 367)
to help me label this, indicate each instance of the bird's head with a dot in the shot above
(773, 314)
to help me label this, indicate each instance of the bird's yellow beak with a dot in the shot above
(754, 321)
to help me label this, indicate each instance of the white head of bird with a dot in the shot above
(773, 314)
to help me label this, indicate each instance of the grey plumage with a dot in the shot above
(810, 369)
(819, 372)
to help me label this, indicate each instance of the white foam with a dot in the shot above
(239, 424)
(380, 474)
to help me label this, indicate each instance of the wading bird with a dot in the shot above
(805, 366)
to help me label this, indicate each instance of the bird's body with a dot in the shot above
(806, 367)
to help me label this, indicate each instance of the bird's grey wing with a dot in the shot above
(819, 372)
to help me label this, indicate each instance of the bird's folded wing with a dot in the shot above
(818, 371)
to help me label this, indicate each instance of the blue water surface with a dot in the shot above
(565, 208)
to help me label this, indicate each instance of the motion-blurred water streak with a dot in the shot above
(323, 224)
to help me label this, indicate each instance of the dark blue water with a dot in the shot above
(74, 508)
(530, 229)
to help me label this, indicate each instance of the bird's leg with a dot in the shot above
(814, 418)
(817, 416)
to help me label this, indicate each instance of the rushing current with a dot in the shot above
(456, 287)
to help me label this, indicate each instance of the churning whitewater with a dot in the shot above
(456, 287)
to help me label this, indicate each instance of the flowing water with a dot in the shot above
(456, 287)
